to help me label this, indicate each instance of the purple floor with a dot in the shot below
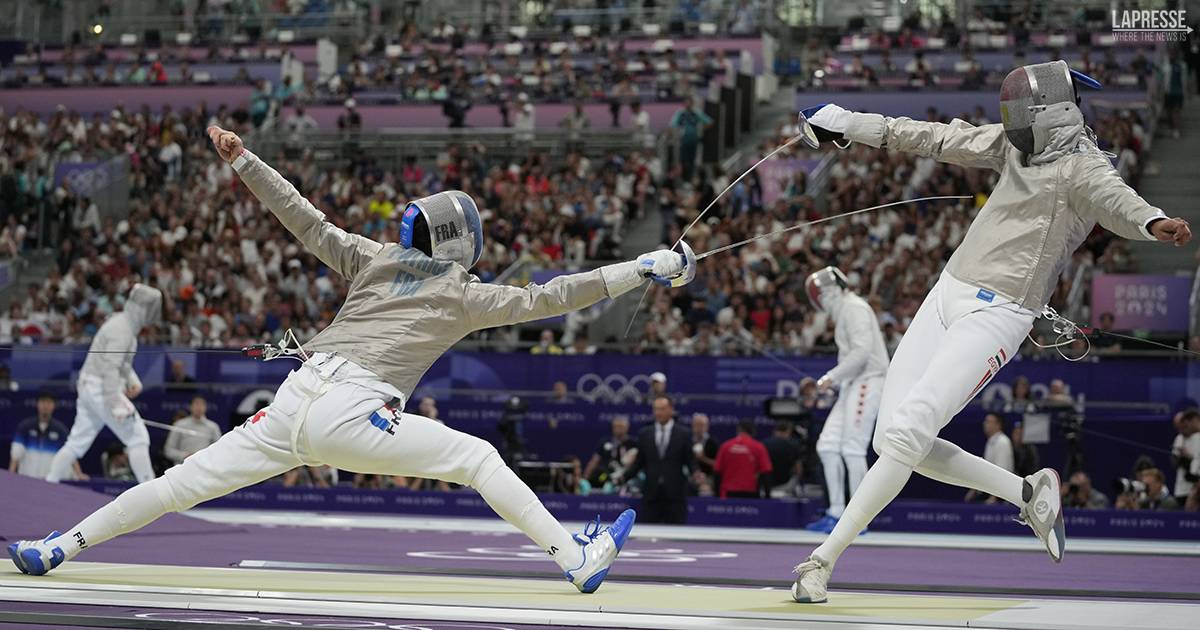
(177, 539)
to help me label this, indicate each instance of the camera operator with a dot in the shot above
(1079, 493)
(1185, 453)
(1148, 492)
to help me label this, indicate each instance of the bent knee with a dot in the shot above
(480, 462)
(910, 435)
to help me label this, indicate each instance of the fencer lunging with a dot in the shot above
(408, 302)
(858, 375)
(1054, 186)
(106, 384)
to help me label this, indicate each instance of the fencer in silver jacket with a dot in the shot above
(1037, 214)
(405, 309)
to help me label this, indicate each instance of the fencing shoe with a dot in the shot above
(600, 549)
(37, 557)
(812, 580)
(1043, 510)
(824, 524)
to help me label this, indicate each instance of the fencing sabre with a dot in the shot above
(806, 134)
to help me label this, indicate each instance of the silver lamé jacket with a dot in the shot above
(404, 309)
(1036, 216)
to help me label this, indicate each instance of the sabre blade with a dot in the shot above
(843, 215)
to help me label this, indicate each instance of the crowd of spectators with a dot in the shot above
(231, 273)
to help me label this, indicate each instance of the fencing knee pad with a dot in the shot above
(910, 435)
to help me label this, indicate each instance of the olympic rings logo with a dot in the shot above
(613, 388)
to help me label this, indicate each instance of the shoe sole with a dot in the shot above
(17, 560)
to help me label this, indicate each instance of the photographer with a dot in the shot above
(1148, 492)
(1079, 493)
(1185, 453)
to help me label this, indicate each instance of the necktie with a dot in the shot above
(662, 440)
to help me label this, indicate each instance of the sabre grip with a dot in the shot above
(256, 351)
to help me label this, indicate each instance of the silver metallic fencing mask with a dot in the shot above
(825, 286)
(453, 223)
(144, 306)
(1028, 90)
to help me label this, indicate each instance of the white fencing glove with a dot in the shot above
(828, 121)
(661, 265)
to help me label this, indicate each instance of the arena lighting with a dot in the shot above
(97, 29)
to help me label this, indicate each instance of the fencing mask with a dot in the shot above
(144, 306)
(1028, 91)
(824, 287)
(445, 226)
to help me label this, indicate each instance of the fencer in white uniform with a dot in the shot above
(407, 304)
(858, 377)
(106, 384)
(1054, 186)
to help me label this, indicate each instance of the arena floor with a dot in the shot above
(237, 569)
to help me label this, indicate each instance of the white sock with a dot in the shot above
(879, 486)
(835, 472)
(516, 503)
(950, 464)
(139, 461)
(856, 469)
(131, 510)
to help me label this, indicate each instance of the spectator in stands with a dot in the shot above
(260, 102)
(300, 123)
(785, 452)
(704, 446)
(1106, 343)
(1174, 78)
(546, 344)
(664, 455)
(999, 450)
(743, 464)
(37, 439)
(350, 119)
(639, 118)
(743, 18)
(179, 379)
(658, 385)
(1026, 460)
(691, 123)
(114, 461)
(525, 120)
(580, 346)
(191, 433)
(1057, 395)
(559, 393)
(1079, 493)
(1185, 453)
(575, 122)
(611, 456)
(7, 384)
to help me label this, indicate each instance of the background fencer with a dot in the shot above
(858, 375)
(408, 302)
(1054, 186)
(107, 382)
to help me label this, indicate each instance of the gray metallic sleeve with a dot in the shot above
(489, 305)
(343, 252)
(958, 143)
(1098, 193)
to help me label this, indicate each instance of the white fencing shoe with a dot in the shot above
(37, 557)
(1042, 511)
(812, 580)
(600, 549)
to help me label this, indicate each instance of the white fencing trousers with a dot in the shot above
(318, 417)
(92, 414)
(959, 340)
(846, 436)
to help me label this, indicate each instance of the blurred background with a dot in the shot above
(588, 131)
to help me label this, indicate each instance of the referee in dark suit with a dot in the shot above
(665, 455)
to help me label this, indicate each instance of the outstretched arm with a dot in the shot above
(489, 305)
(1099, 193)
(958, 143)
(343, 252)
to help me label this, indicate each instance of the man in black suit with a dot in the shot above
(665, 455)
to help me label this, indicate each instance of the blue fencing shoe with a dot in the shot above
(600, 549)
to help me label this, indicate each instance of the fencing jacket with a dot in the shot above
(404, 309)
(1036, 216)
(110, 357)
(861, 350)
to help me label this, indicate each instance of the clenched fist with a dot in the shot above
(1172, 230)
(228, 144)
